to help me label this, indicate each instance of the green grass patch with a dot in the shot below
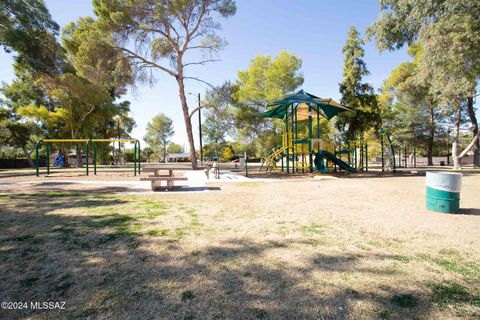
(180, 233)
(454, 263)
(400, 258)
(111, 220)
(313, 229)
(154, 214)
(447, 293)
(405, 300)
(187, 295)
(58, 194)
(158, 232)
(352, 292)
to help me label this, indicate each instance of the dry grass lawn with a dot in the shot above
(350, 248)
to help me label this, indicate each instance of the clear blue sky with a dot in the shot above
(314, 30)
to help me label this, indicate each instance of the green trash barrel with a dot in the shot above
(443, 191)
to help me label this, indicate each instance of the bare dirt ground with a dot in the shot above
(301, 248)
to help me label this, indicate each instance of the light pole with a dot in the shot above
(199, 124)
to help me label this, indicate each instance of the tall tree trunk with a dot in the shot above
(164, 151)
(79, 156)
(186, 117)
(457, 164)
(431, 133)
(28, 155)
(473, 119)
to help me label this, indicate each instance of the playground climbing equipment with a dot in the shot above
(365, 154)
(89, 143)
(304, 153)
(296, 151)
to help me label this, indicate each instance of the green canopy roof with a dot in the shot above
(300, 101)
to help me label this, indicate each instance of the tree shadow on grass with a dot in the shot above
(103, 267)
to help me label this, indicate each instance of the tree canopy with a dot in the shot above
(27, 29)
(159, 131)
(355, 93)
(452, 70)
(162, 34)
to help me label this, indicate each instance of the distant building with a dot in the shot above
(178, 157)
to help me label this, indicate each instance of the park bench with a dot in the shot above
(157, 178)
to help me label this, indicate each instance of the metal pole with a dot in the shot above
(139, 156)
(335, 154)
(288, 144)
(48, 158)
(405, 157)
(200, 128)
(349, 154)
(135, 158)
(310, 134)
(296, 135)
(293, 143)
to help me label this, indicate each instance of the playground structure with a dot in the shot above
(89, 143)
(296, 152)
(365, 154)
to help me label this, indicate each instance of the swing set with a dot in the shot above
(89, 143)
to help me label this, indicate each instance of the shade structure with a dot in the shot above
(301, 101)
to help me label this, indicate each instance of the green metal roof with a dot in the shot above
(300, 102)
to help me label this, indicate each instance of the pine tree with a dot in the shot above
(356, 94)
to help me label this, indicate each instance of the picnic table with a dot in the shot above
(158, 176)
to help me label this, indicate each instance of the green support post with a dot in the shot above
(303, 161)
(37, 161)
(405, 156)
(48, 158)
(349, 154)
(293, 142)
(139, 156)
(286, 140)
(282, 155)
(296, 135)
(135, 158)
(340, 157)
(310, 134)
